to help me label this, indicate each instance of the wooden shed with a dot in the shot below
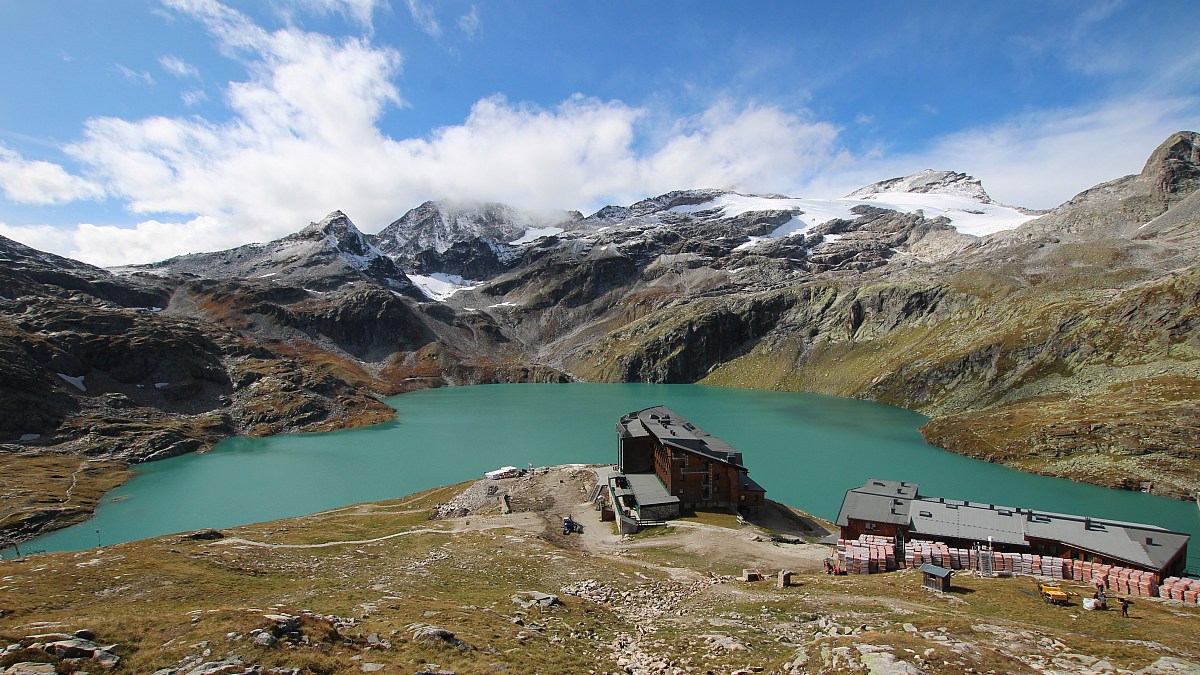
(935, 578)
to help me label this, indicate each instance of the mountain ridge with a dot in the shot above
(1022, 344)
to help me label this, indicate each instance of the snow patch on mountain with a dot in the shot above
(965, 214)
(439, 286)
(962, 207)
(76, 381)
(534, 233)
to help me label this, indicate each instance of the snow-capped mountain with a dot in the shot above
(438, 225)
(929, 181)
(954, 196)
(322, 256)
(444, 247)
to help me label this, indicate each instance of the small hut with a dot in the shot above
(935, 578)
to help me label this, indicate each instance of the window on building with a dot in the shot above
(870, 527)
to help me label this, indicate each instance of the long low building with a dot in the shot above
(895, 509)
(701, 470)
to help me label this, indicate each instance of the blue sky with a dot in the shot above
(132, 131)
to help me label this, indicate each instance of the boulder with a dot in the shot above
(30, 668)
(204, 535)
(434, 635)
(73, 648)
(226, 667)
(528, 599)
(105, 659)
(267, 640)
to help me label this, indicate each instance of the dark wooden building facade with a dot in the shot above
(703, 471)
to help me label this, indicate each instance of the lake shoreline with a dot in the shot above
(715, 420)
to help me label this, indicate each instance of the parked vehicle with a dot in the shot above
(569, 525)
(1054, 594)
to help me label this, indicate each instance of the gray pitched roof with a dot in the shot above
(674, 431)
(1147, 545)
(749, 483)
(948, 518)
(881, 501)
(648, 491)
(930, 568)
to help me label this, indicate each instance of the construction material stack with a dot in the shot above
(1184, 590)
(868, 554)
(1122, 580)
(1053, 567)
(917, 553)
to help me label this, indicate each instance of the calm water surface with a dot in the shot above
(806, 449)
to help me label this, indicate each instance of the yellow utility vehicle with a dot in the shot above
(1054, 594)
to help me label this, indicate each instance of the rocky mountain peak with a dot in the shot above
(439, 225)
(1174, 166)
(929, 181)
(340, 233)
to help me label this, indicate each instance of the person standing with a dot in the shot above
(1125, 607)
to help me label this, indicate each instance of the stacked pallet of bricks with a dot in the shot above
(1183, 590)
(1051, 566)
(917, 553)
(1120, 580)
(1039, 565)
(867, 555)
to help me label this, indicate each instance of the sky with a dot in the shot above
(137, 130)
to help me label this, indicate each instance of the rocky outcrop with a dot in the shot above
(476, 258)
(1120, 208)
(28, 271)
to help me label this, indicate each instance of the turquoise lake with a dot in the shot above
(806, 449)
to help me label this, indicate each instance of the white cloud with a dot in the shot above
(469, 23)
(150, 240)
(1042, 159)
(1039, 159)
(37, 182)
(425, 18)
(758, 148)
(177, 66)
(41, 237)
(193, 97)
(361, 11)
(136, 76)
